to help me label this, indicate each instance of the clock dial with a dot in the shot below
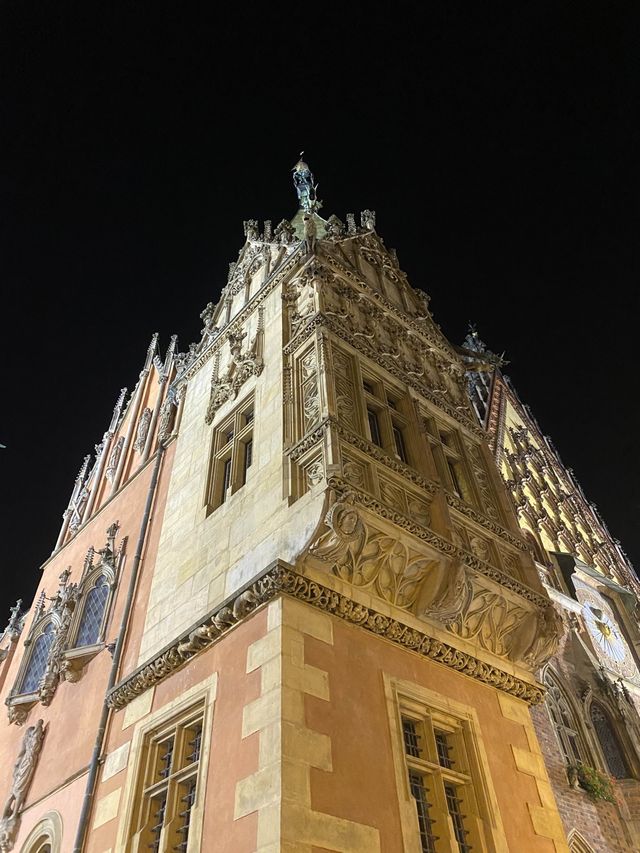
(604, 632)
(608, 639)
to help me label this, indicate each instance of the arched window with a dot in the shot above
(90, 627)
(38, 660)
(46, 836)
(609, 742)
(564, 722)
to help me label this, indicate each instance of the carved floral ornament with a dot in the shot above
(242, 365)
(433, 586)
(284, 580)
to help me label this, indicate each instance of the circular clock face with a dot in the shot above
(608, 638)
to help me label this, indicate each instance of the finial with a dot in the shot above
(303, 181)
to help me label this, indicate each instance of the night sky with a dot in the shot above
(498, 144)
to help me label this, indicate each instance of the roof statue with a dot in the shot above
(305, 187)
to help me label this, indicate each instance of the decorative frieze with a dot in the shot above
(282, 579)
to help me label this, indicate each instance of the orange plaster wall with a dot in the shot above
(362, 785)
(67, 802)
(231, 759)
(73, 714)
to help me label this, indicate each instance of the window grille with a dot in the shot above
(93, 613)
(170, 785)
(37, 661)
(609, 742)
(439, 782)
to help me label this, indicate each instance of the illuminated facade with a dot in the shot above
(589, 723)
(291, 607)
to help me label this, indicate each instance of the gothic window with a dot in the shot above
(564, 722)
(232, 455)
(169, 784)
(387, 418)
(37, 661)
(93, 613)
(609, 742)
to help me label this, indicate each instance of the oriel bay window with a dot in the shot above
(169, 785)
(232, 455)
(386, 419)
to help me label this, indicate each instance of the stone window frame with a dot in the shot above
(618, 738)
(202, 695)
(230, 451)
(485, 823)
(562, 730)
(20, 703)
(393, 409)
(48, 830)
(77, 657)
(450, 458)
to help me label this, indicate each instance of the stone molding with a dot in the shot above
(316, 435)
(281, 579)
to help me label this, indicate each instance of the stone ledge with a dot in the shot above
(280, 579)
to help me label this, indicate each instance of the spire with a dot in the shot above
(303, 181)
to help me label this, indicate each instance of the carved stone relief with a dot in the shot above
(23, 771)
(114, 459)
(242, 365)
(358, 553)
(143, 429)
(345, 389)
(310, 389)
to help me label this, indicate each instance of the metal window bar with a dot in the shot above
(411, 738)
(444, 748)
(185, 816)
(457, 818)
(419, 792)
(195, 745)
(166, 759)
(156, 829)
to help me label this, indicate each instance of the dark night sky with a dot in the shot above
(497, 143)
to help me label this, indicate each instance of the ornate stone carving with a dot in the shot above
(309, 389)
(61, 611)
(143, 428)
(23, 771)
(345, 389)
(167, 415)
(446, 592)
(314, 473)
(242, 365)
(284, 232)
(114, 459)
(283, 580)
(368, 558)
(536, 638)
(15, 623)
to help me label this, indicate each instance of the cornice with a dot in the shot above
(281, 579)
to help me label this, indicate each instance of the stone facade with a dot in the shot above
(591, 714)
(313, 622)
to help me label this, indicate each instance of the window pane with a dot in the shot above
(37, 661)
(454, 804)
(609, 743)
(226, 479)
(374, 427)
(399, 442)
(419, 792)
(91, 622)
(248, 458)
